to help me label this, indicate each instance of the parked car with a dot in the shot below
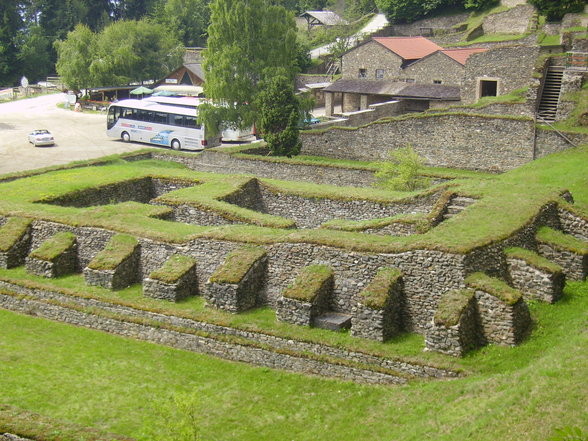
(41, 137)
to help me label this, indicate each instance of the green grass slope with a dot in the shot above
(128, 387)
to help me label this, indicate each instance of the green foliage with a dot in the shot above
(279, 116)
(237, 264)
(119, 248)
(187, 19)
(452, 305)
(554, 10)
(123, 52)
(308, 282)
(54, 246)
(34, 54)
(248, 42)
(10, 24)
(569, 434)
(174, 268)
(134, 51)
(402, 171)
(180, 414)
(377, 293)
(480, 4)
(407, 11)
(74, 57)
(357, 8)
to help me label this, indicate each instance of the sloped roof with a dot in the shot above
(196, 69)
(461, 55)
(328, 18)
(396, 89)
(409, 48)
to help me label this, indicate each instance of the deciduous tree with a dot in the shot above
(10, 24)
(74, 57)
(247, 40)
(188, 19)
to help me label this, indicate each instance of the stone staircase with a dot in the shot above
(456, 205)
(551, 93)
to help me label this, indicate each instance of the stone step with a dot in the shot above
(462, 201)
(333, 321)
(454, 209)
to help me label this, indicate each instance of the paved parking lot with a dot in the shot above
(78, 136)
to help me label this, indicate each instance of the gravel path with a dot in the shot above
(78, 136)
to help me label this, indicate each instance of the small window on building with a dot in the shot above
(488, 88)
(362, 73)
(379, 74)
(437, 81)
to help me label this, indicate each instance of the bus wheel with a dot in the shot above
(125, 136)
(175, 144)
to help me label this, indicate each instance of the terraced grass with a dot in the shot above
(128, 387)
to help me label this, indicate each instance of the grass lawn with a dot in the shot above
(128, 387)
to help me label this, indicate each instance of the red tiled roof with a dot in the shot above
(461, 55)
(409, 48)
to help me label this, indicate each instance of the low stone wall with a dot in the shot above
(393, 229)
(304, 312)
(185, 287)
(502, 324)
(217, 162)
(573, 224)
(535, 283)
(138, 190)
(380, 324)
(125, 274)
(549, 141)
(238, 297)
(64, 263)
(312, 212)
(455, 140)
(16, 255)
(575, 266)
(456, 340)
(196, 343)
(278, 343)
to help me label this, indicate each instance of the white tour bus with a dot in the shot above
(189, 102)
(154, 123)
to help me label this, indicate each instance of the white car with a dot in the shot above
(41, 137)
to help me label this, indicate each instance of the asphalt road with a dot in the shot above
(78, 136)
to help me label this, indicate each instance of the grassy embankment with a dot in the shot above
(120, 385)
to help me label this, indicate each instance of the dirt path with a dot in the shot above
(78, 136)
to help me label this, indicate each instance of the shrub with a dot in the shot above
(402, 171)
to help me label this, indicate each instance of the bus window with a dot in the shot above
(177, 120)
(191, 122)
(159, 117)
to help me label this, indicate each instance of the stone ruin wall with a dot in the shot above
(443, 140)
(427, 274)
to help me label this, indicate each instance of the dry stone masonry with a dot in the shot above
(56, 257)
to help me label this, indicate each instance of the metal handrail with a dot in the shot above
(556, 131)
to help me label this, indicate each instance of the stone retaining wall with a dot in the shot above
(217, 162)
(502, 324)
(535, 283)
(459, 141)
(276, 342)
(196, 343)
(458, 339)
(573, 224)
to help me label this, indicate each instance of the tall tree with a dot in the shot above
(248, 41)
(74, 57)
(134, 51)
(132, 9)
(188, 19)
(555, 9)
(279, 116)
(10, 24)
(34, 54)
